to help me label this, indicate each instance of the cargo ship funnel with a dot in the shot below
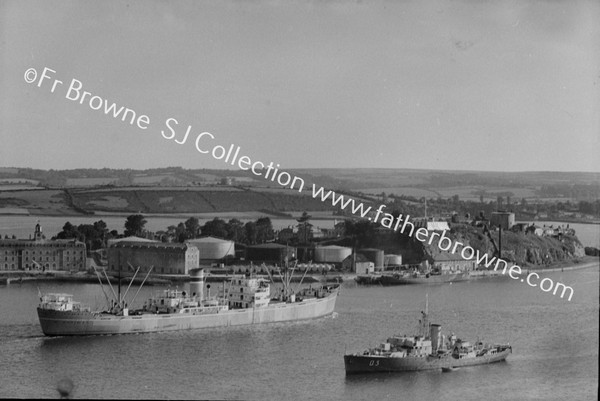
(197, 283)
(435, 334)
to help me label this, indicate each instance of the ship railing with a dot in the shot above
(56, 297)
(214, 302)
(79, 307)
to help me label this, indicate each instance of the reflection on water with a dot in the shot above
(65, 387)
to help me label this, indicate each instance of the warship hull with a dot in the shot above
(78, 323)
(356, 364)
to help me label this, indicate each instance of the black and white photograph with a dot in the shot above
(300, 200)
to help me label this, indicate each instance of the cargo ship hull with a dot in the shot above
(75, 323)
(356, 364)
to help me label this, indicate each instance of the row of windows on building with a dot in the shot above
(47, 265)
(161, 270)
(47, 252)
(40, 259)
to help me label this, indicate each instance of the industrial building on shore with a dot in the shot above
(126, 254)
(164, 258)
(38, 253)
(503, 219)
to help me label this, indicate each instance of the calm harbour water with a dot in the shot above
(555, 348)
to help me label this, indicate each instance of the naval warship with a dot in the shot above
(427, 350)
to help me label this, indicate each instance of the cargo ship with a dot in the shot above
(247, 300)
(428, 350)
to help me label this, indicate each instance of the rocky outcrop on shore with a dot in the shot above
(517, 247)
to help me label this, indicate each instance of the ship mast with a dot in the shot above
(142, 284)
(131, 281)
(301, 280)
(102, 286)
(119, 286)
(424, 329)
(109, 284)
(286, 278)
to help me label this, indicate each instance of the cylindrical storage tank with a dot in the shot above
(331, 254)
(393, 260)
(373, 255)
(212, 248)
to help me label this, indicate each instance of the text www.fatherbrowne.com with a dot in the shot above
(444, 243)
(231, 154)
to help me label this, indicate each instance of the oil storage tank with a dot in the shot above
(373, 255)
(391, 260)
(331, 254)
(212, 249)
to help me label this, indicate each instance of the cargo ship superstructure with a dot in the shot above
(246, 301)
(426, 351)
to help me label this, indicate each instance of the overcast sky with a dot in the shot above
(457, 85)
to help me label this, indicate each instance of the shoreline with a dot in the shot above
(574, 264)
(225, 214)
(585, 264)
(19, 277)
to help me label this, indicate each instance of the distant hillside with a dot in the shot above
(193, 200)
(155, 201)
(178, 190)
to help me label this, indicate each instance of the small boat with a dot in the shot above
(368, 279)
(406, 277)
(423, 278)
(427, 350)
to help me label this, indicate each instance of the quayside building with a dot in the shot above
(164, 258)
(42, 254)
